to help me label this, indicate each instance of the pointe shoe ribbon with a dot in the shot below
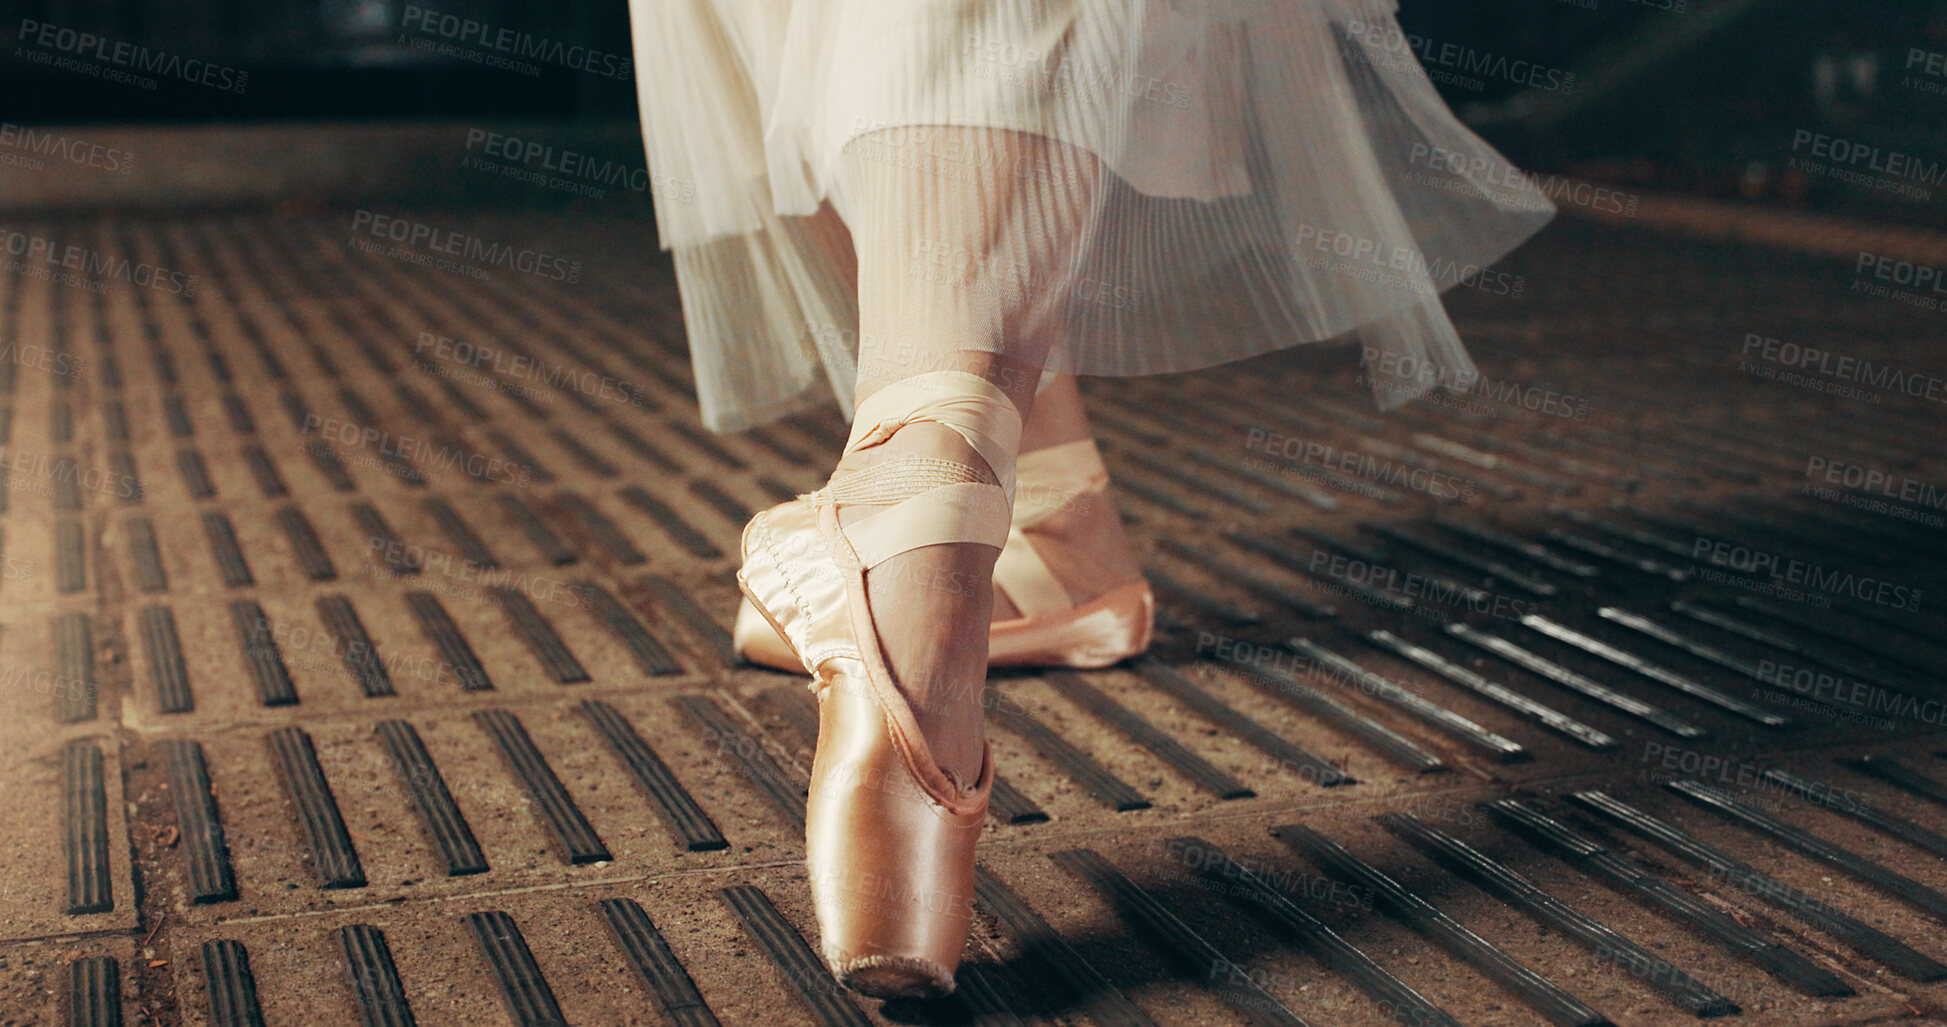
(1060, 475)
(1051, 631)
(973, 415)
(962, 511)
(934, 501)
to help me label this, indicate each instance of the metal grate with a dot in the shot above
(421, 670)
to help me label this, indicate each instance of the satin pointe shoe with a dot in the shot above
(889, 834)
(1051, 631)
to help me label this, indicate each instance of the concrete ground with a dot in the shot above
(553, 796)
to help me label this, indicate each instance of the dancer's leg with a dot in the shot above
(834, 241)
(966, 241)
(1087, 550)
(1057, 416)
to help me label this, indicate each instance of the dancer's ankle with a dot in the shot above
(921, 439)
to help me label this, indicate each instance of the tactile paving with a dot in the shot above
(361, 683)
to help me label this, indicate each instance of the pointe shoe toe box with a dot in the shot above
(889, 845)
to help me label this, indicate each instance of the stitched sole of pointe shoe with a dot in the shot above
(892, 976)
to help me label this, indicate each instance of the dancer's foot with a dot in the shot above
(1072, 525)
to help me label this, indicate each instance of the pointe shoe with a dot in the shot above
(889, 834)
(1052, 631)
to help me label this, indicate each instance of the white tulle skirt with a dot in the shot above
(1262, 173)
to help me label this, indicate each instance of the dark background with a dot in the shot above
(1702, 100)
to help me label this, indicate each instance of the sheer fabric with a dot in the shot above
(1137, 186)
